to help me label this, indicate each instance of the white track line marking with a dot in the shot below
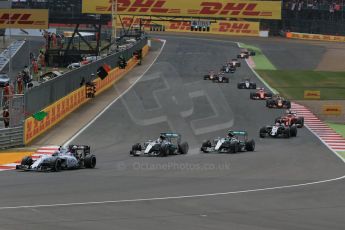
(168, 197)
(116, 99)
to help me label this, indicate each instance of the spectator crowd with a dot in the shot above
(332, 10)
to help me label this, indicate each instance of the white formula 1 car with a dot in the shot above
(74, 157)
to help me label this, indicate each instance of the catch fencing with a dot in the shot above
(51, 91)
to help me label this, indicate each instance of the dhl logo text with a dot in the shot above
(130, 21)
(234, 27)
(212, 8)
(143, 6)
(21, 19)
(180, 26)
(332, 110)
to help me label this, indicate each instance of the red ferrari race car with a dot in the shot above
(278, 102)
(291, 118)
(261, 94)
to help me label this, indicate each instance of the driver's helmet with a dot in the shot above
(231, 133)
(55, 154)
(162, 138)
(278, 123)
(73, 149)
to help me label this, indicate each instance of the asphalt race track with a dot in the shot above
(251, 190)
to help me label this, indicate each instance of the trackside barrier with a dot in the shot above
(221, 27)
(11, 137)
(315, 37)
(53, 90)
(63, 107)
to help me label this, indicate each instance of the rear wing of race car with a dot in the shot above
(240, 133)
(175, 135)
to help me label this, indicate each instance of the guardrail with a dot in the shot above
(9, 53)
(11, 137)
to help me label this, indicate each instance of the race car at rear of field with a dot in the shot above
(260, 94)
(235, 141)
(246, 84)
(245, 54)
(278, 130)
(74, 157)
(220, 78)
(290, 119)
(228, 68)
(278, 102)
(210, 76)
(166, 144)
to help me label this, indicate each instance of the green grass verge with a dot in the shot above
(339, 128)
(342, 154)
(292, 83)
(260, 60)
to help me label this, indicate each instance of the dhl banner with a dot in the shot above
(56, 112)
(236, 28)
(318, 37)
(23, 19)
(183, 8)
(60, 109)
(335, 110)
(243, 28)
(310, 94)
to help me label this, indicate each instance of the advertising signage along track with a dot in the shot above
(221, 27)
(183, 8)
(23, 19)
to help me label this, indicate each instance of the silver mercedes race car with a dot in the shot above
(166, 144)
(235, 141)
(246, 84)
(73, 157)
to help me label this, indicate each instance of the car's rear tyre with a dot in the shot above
(136, 147)
(287, 132)
(163, 152)
(288, 105)
(262, 132)
(269, 95)
(90, 161)
(252, 95)
(300, 122)
(239, 86)
(293, 131)
(253, 86)
(234, 148)
(277, 120)
(57, 165)
(250, 145)
(27, 160)
(183, 148)
(205, 144)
